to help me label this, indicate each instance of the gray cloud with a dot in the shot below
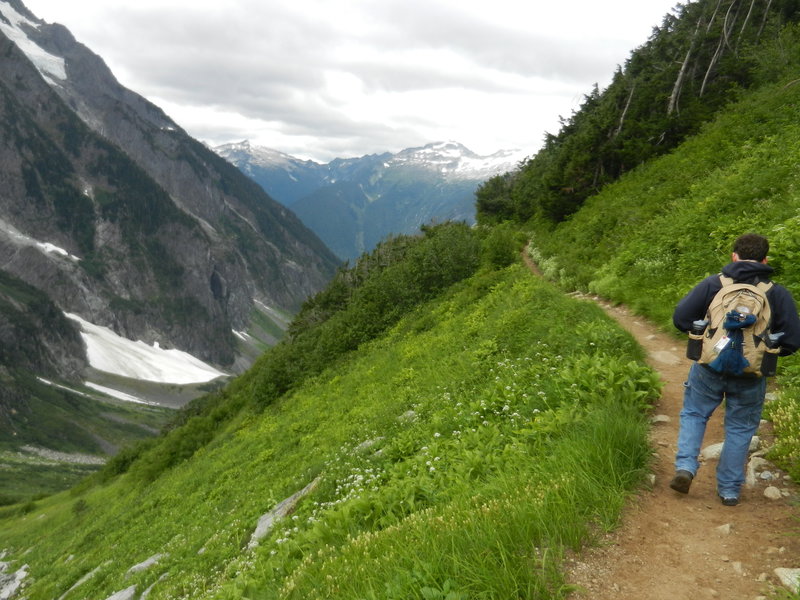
(492, 46)
(357, 76)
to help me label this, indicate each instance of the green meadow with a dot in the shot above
(458, 455)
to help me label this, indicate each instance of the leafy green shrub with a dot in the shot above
(785, 414)
(80, 507)
(365, 300)
(121, 462)
(493, 199)
(501, 245)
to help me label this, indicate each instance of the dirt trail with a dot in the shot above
(672, 546)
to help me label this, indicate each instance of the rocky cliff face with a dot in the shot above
(122, 218)
(35, 337)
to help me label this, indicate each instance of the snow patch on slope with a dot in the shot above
(118, 395)
(112, 353)
(51, 67)
(100, 388)
(20, 239)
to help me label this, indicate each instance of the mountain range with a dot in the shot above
(354, 203)
(112, 214)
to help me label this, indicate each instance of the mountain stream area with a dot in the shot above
(671, 545)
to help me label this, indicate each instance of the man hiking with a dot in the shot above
(736, 326)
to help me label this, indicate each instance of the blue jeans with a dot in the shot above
(744, 399)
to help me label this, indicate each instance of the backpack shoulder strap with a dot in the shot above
(764, 286)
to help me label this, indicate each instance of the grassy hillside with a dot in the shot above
(647, 239)
(456, 455)
(54, 457)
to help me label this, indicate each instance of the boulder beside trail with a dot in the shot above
(789, 578)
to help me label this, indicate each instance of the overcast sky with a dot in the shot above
(321, 79)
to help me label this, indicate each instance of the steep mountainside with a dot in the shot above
(163, 241)
(354, 203)
(111, 213)
(403, 450)
(34, 337)
(433, 402)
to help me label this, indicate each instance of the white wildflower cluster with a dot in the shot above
(470, 428)
(352, 486)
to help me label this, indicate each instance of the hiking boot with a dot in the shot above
(729, 500)
(681, 481)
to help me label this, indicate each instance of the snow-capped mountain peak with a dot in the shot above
(450, 159)
(353, 203)
(454, 160)
(260, 156)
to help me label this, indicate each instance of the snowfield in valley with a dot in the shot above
(112, 353)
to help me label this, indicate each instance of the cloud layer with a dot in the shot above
(328, 78)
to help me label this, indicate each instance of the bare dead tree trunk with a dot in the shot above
(714, 59)
(744, 24)
(763, 21)
(624, 112)
(726, 30)
(713, 16)
(723, 41)
(676, 89)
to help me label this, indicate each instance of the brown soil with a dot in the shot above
(672, 546)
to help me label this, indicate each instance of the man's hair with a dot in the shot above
(751, 246)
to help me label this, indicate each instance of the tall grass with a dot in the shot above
(505, 539)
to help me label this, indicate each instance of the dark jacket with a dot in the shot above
(694, 305)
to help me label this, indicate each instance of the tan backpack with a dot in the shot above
(746, 299)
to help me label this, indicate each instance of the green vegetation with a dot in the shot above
(25, 477)
(647, 238)
(700, 59)
(459, 453)
(38, 422)
(456, 424)
(363, 301)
